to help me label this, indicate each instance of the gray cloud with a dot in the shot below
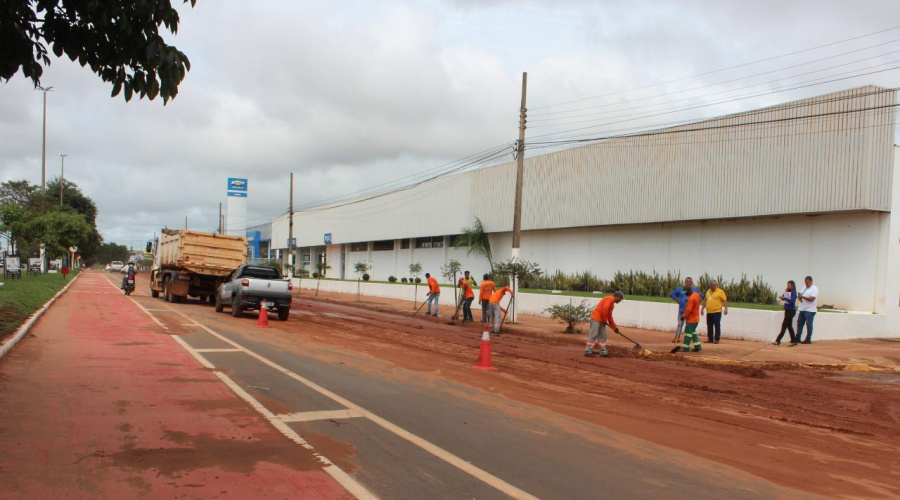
(352, 94)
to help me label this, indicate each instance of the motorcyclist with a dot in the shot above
(129, 273)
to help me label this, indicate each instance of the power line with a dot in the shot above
(719, 70)
(712, 104)
(713, 85)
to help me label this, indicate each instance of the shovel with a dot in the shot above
(420, 307)
(512, 299)
(456, 313)
(638, 348)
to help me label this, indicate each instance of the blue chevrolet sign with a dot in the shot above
(237, 184)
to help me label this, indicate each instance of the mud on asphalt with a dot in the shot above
(824, 431)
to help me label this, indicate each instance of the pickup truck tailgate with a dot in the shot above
(267, 288)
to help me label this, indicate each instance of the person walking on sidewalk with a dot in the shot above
(809, 302)
(434, 294)
(789, 297)
(496, 297)
(716, 304)
(467, 297)
(484, 295)
(680, 295)
(600, 318)
(691, 318)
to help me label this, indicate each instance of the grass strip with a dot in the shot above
(19, 299)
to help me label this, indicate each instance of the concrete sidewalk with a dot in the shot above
(99, 402)
(863, 354)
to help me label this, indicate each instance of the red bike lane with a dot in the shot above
(99, 402)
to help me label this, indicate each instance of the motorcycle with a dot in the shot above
(129, 285)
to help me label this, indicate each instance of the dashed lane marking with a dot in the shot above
(219, 350)
(348, 483)
(435, 450)
(309, 416)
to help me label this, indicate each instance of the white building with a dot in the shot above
(802, 188)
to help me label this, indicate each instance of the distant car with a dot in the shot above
(107, 267)
(116, 265)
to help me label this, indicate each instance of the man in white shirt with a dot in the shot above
(808, 306)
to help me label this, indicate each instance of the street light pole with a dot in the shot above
(44, 143)
(62, 178)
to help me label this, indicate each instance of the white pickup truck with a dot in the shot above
(246, 287)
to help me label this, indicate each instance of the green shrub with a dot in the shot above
(570, 314)
(404, 280)
(392, 279)
(652, 284)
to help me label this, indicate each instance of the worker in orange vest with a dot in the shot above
(600, 318)
(434, 294)
(691, 320)
(468, 296)
(487, 289)
(496, 297)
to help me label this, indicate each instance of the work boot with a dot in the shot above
(604, 354)
(696, 349)
(589, 354)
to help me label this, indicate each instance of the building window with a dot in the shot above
(379, 246)
(404, 244)
(359, 247)
(433, 242)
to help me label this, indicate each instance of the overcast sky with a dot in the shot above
(348, 95)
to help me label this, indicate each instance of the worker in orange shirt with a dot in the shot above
(496, 297)
(691, 320)
(600, 318)
(487, 289)
(434, 294)
(467, 296)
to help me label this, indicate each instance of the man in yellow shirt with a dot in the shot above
(715, 305)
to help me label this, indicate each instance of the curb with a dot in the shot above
(20, 333)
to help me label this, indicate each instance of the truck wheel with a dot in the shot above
(284, 313)
(167, 293)
(154, 293)
(236, 309)
(219, 306)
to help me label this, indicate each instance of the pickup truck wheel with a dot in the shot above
(219, 306)
(154, 294)
(284, 313)
(167, 293)
(236, 309)
(211, 299)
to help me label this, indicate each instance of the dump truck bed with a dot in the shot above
(200, 252)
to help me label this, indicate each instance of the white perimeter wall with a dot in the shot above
(844, 253)
(739, 324)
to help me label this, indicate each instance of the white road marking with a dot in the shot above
(342, 478)
(218, 350)
(348, 483)
(435, 450)
(309, 416)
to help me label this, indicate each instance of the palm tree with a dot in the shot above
(477, 241)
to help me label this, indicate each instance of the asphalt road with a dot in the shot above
(410, 434)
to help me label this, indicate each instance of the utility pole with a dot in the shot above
(520, 168)
(44, 143)
(62, 178)
(221, 229)
(185, 222)
(291, 231)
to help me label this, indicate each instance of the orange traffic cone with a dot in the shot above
(484, 355)
(263, 321)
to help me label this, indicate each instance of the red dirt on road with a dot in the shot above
(820, 431)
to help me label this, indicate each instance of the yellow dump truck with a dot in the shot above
(193, 263)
